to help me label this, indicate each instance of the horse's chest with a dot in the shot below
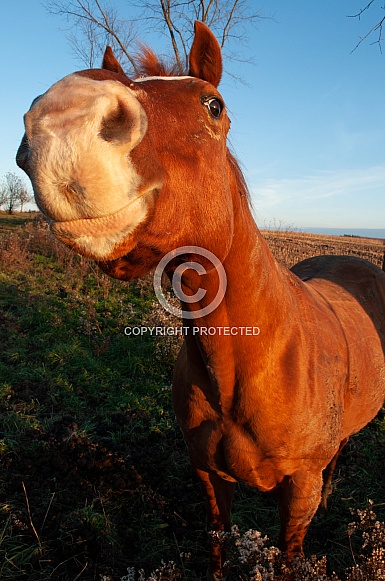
(233, 453)
(261, 450)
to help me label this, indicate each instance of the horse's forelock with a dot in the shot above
(149, 64)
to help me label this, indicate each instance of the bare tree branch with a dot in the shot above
(376, 27)
(166, 9)
(228, 24)
(95, 23)
(92, 20)
(362, 10)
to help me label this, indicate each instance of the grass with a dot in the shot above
(94, 472)
(10, 221)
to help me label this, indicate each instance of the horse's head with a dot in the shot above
(134, 168)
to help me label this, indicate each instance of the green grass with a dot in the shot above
(94, 472)
(76, 389)
(10, 221)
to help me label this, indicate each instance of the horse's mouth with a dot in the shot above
(101, 238)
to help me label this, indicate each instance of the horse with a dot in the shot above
(130, 171)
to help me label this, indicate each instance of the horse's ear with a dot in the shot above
(110, 62)
(205, 55)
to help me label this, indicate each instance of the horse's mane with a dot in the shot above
(238, 176)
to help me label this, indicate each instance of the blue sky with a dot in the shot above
(308, 128)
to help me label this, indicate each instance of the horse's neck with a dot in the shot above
(243, 326)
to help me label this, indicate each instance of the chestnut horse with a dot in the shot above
(127, 171)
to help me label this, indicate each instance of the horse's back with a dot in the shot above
(354, 277)
(355, 291)
(331, 266)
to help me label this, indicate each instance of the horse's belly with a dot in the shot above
(365, 389)
(365, 380)
(355, 290)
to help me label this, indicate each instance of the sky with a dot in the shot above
(308, 126)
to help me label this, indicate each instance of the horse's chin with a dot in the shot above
(104, 238)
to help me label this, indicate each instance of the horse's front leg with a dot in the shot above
(299, 498)
(219, 495)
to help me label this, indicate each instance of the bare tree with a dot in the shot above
(24, 198)
(3, 196)
(376, 28)
(13, 192)
(93, 25)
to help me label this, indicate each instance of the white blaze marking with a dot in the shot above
(145, 79)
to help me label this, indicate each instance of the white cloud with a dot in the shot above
(356, 196)
(324, 184)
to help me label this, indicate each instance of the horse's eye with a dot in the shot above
(214, 105)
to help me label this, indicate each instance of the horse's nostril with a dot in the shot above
(22, 155)
(116, 127)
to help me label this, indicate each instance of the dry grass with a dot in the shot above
(291, 247)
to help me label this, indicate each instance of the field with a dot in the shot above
(291, 247)
(94, 472)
